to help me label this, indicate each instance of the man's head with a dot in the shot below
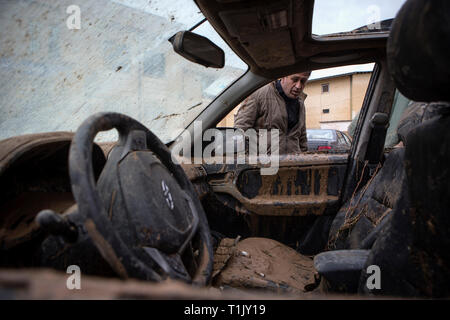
(294, 84)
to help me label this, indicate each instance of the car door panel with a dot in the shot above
(304, 187)
(283, 204)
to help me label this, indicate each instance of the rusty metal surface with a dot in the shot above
(304, 185)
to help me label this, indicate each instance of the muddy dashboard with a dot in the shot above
(237, 198)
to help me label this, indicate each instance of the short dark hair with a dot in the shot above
(308, 72)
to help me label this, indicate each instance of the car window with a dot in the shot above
(342, 139)
(347, 139)
(319, 134)
(334, 109)
(398, 107)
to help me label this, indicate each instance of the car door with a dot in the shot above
(283, 205)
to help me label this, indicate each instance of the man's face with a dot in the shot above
(294, 84)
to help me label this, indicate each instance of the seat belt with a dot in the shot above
(379, 124)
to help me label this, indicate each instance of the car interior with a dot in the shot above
(321, 221)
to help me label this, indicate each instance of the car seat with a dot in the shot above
(410, 196)
(419, 264)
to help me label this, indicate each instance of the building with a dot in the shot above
(333, 101)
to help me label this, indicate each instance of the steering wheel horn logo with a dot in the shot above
(167, 194)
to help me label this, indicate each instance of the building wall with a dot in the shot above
(228, 121)
(336, 101)
(343, 100)
(360, 84)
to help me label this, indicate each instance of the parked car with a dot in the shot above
(330, 140)
(119, 205)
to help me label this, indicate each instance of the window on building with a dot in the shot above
(326, 110)
(325, 88)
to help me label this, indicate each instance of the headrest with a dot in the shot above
(418, 50)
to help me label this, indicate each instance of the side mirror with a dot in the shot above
(198, 49)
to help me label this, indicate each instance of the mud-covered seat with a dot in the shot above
(412, 243)
(369, 212)
(413, 251)
(360, 219)
(358, 224)
(262, 263)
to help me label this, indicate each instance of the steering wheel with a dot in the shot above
(143, 214)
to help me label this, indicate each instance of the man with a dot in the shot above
(278, 105)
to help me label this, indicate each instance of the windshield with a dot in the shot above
(313, 134)
(61, 61)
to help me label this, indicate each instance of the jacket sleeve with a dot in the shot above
(247, 114)
(303, 140)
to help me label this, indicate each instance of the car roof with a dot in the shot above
(280, 50)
